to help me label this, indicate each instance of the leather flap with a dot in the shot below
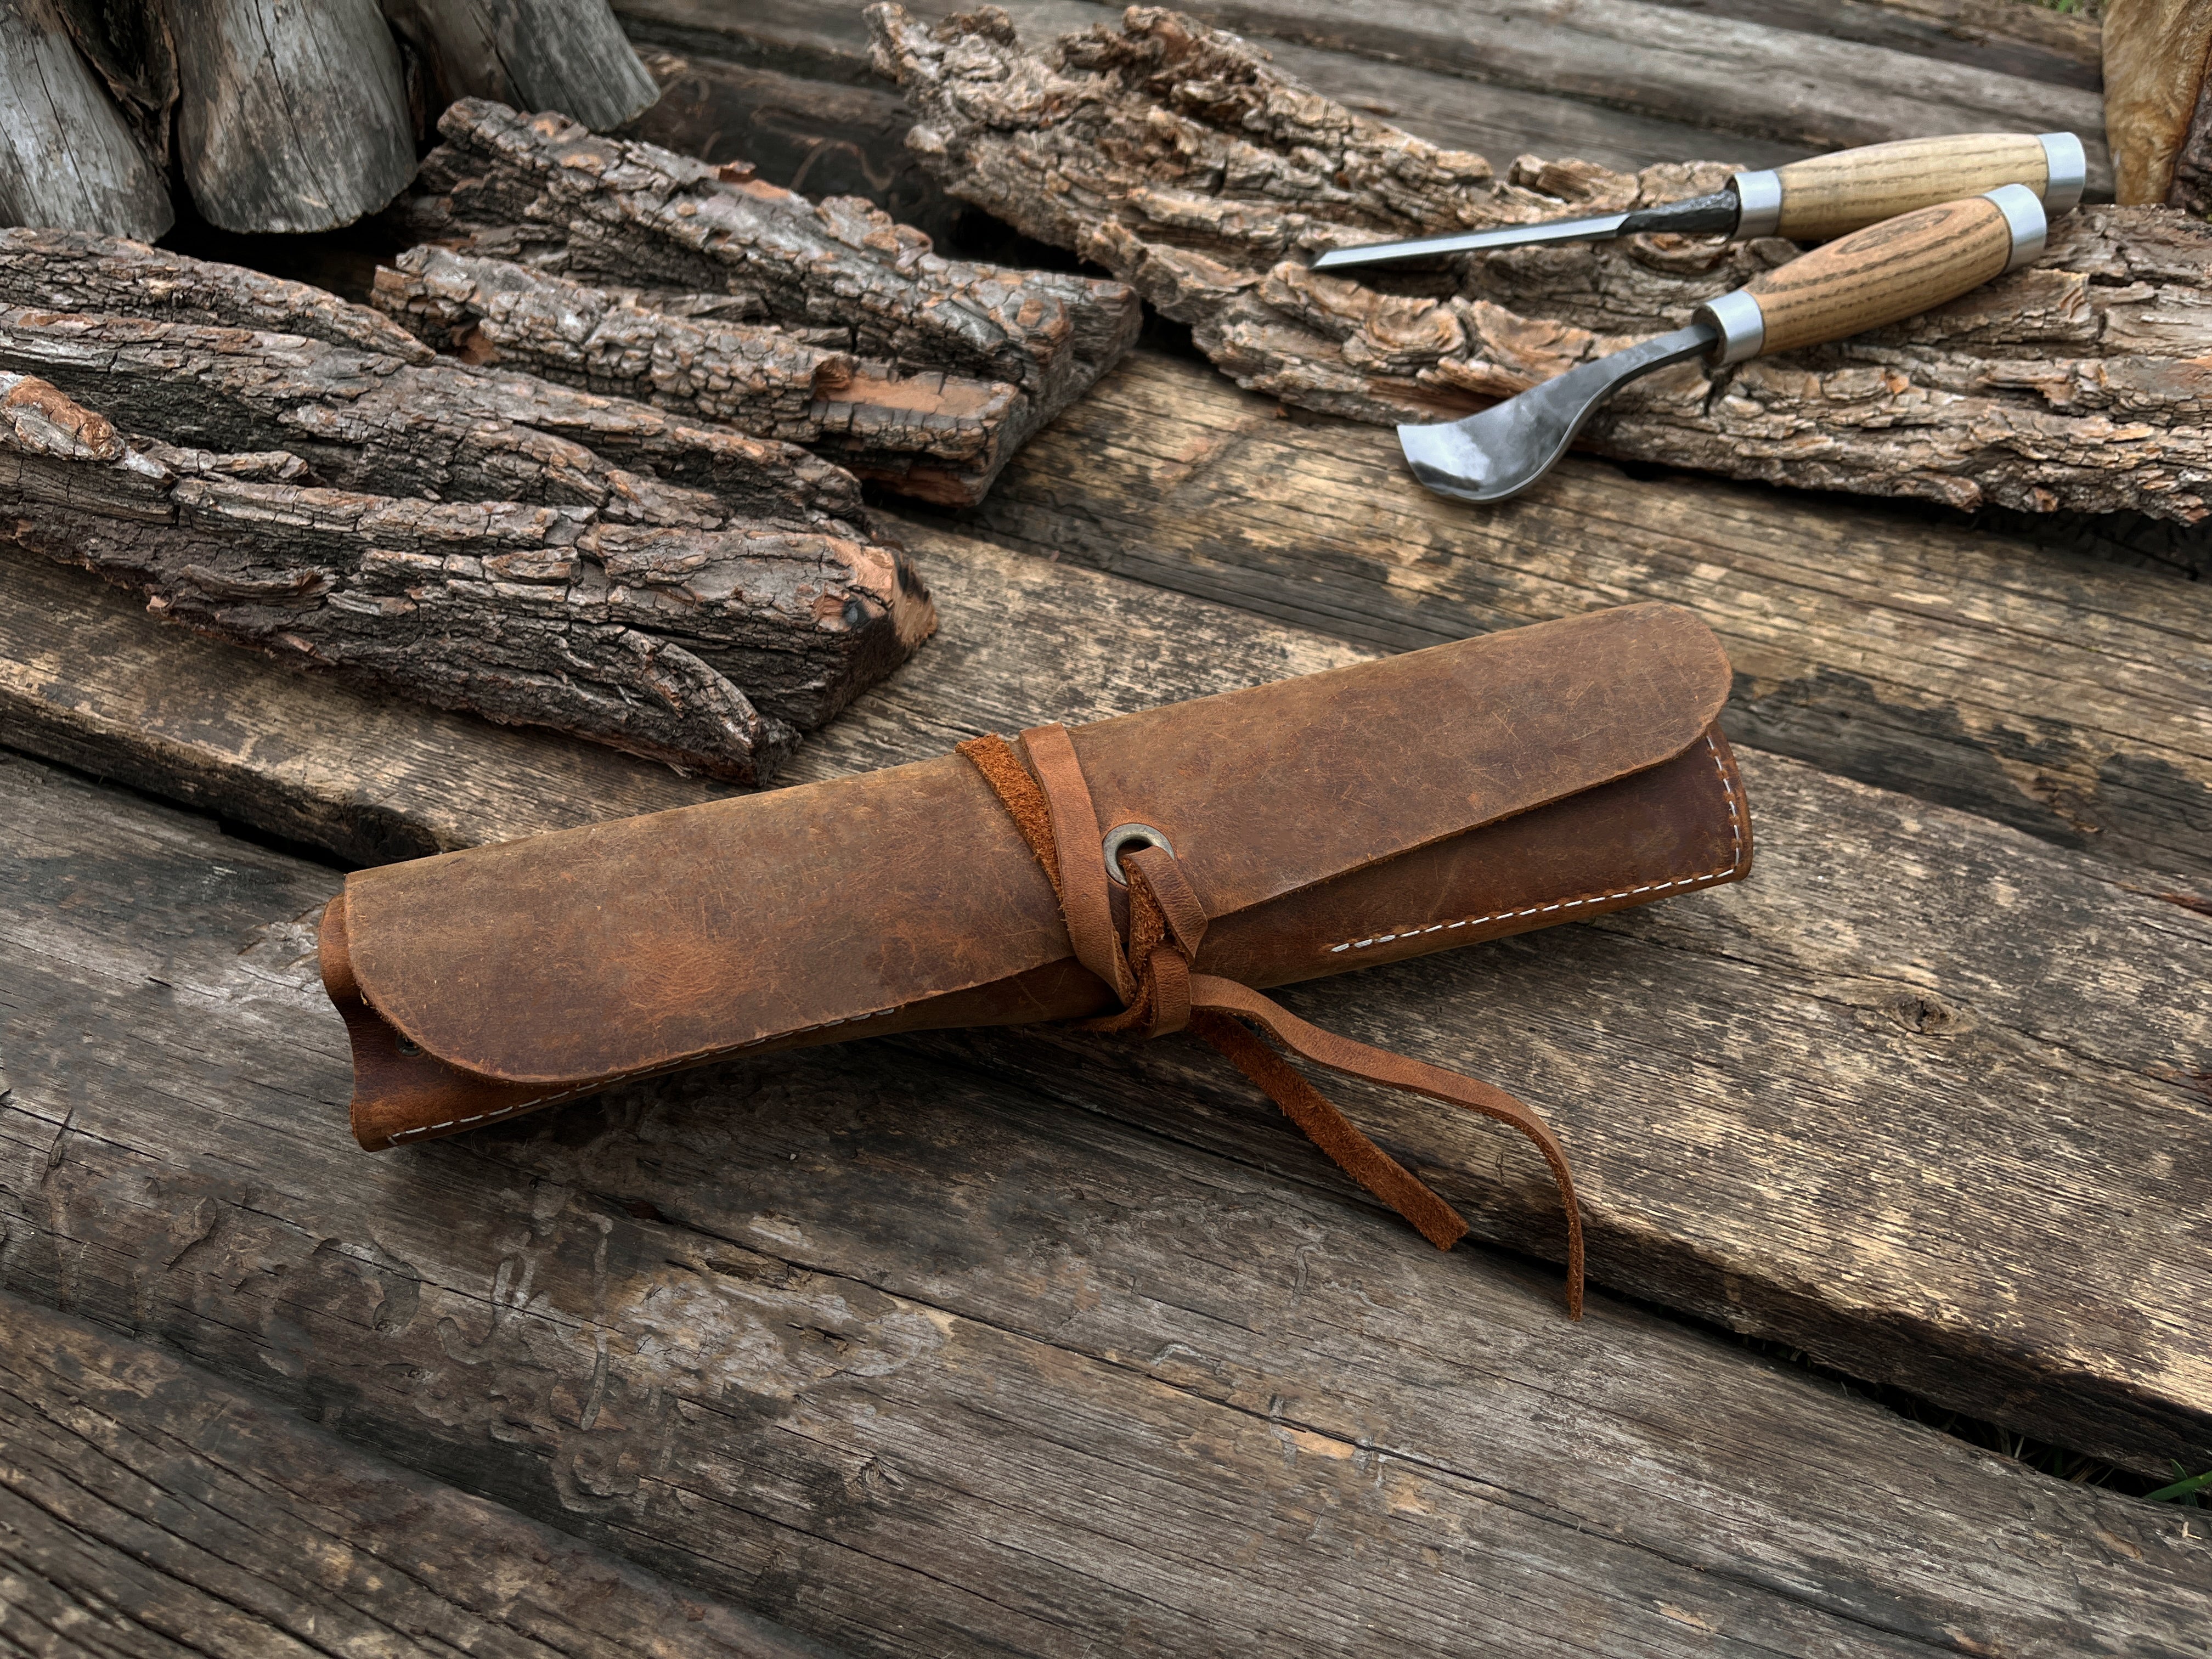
(643, 944)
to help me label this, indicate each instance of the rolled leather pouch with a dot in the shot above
(1151, 873)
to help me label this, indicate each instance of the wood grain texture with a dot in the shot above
(444, 533)
(1716, 72)
(939, 438)
(1858, 980)
(90, 678)
(1884, 274)
(1826, 196)
(2057, 694)
(148, 1509)
(814, 62)
(289, 118)
(1176, 157)
(565, 55)
(919, 1362)
(68, 156)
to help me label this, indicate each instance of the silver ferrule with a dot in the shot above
(1741, 324)
(2065, 168)
(1759, 198)
(2023, 212)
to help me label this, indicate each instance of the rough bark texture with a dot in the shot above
(74, 271)
(289, 118)
(565, 55)
(924, 1362)
(436, 529)
(938, 437)
(149, 1509)
(542, 191)
(1174, 156)
(68, 156)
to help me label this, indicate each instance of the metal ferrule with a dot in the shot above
(1742, 325)
(2066, 169)
(2023, 212)
(1760, 194)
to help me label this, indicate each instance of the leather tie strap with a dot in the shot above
(1152, 976)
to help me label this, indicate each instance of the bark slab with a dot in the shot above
(942, 438)
(542, 191)
(442, 530)
(1178, 158)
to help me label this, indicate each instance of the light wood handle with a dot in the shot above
(1896, 269)
(1830, 195)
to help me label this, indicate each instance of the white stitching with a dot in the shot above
(1735, 864)
(624, 1077)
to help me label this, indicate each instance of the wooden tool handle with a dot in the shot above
(1894, 269)
(1830, 195)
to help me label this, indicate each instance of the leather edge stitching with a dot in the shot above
(1735, 864)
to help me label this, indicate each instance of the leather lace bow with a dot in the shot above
(1151, 973)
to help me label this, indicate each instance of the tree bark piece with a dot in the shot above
(148, 1509)
(858, 1338)
(67, 155)
(74, 271)
(565, 55)
(289, 118)
(647, 615)
(542, 191)
(1175, 156)
(937, 437)
(439, 431)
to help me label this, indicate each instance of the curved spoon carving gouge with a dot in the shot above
(1807, 201)
(1883, 274)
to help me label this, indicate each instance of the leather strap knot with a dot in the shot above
(1154, 975)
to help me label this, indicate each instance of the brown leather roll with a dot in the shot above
(1364, 815)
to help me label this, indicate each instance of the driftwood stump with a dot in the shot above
(483, 540)
(543, 191)
(1177, 158)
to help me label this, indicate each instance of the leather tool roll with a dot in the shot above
(1364, 815)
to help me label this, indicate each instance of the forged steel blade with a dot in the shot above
(1699, 215)
(1605, 227)
(1501, 450)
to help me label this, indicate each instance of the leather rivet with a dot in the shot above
(1124, 835)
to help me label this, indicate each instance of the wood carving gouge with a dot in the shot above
(1807, 201)
(1882, 274)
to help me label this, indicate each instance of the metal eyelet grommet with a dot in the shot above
(1123, 836)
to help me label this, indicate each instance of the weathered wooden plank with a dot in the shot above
(2058, 693)
(88, 678)
(289, 118)
(807, 50)
(1895, 975)
(922, 1364)
(67, 155)
(146, 1507)
(1715, 72)
(2030, 41)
